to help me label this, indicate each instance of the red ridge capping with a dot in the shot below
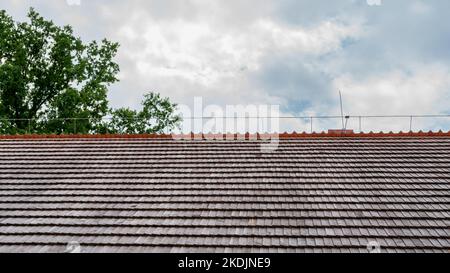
(229, 136)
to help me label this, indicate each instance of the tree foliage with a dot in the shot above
(52, 82)
(45, 68)
(156, 116)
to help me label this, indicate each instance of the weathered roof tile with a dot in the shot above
(313, 194)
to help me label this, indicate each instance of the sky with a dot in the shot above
(388, 57)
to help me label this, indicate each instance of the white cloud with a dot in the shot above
(293, 53)
(213, 58)
(420, 7)
(422, 90)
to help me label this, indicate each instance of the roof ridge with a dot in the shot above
(237, 136)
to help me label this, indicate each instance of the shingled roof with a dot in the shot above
(314, 193)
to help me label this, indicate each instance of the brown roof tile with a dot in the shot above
(149, 193)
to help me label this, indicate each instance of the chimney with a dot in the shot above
(340, 132)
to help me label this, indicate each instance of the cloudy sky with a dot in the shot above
(389, 57)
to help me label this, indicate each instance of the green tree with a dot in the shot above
(49, 76)
(157, 115)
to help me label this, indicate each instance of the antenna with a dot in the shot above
(342, 110)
